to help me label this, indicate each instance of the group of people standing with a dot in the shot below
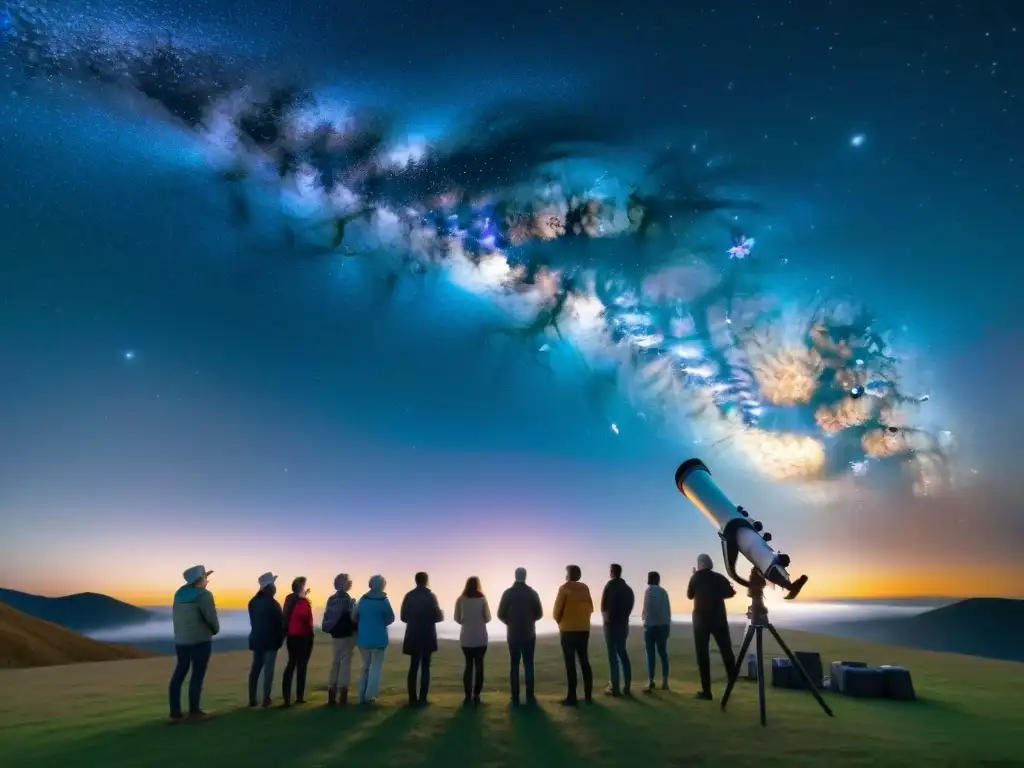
(362, 624)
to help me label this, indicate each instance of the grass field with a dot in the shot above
(970, 713)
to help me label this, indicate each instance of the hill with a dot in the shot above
(82, 612)
(981, 626)
(970, 712)
(29, 642)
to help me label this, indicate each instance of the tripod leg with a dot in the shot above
(800, 668)
(739, 665)
(760, 676)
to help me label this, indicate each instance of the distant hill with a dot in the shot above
(29, 642)
(983, 626)
(83, 612)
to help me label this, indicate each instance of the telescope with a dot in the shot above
(739, 534)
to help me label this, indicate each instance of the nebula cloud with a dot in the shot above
(805, 393)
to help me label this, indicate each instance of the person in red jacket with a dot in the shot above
(298, 630)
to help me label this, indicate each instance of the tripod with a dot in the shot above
(758, 615)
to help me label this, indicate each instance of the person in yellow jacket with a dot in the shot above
(573, 609)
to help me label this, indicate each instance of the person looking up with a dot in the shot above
(421, 614)
(520, 610)
(298, 623)
(657, 619)
(573, 609)
(338, 623)
(473, 614)
(709, 591)
(194, 616)
(266, 636)
(373, 615)
(616, 606)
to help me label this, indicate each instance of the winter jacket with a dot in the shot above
(266, 623)
(617, 603)
(709, 591)
(657, 610)
(520, 610)
(298, 615)
(421, 614)
(472, 614)
(373, 616)
(194, 615)
(573, 607)
(337, 621)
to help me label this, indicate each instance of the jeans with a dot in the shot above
(474, 669)
(369, 680)
(702, 634)
(419, 665)
(656, 639)
(300, 648)
(521, 650)
(575, 646)
(262, 661)
(341, 662)
(615, 637)
(197, 657)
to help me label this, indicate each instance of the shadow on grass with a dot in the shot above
(234, 737)
(538, 740)
(460, 741)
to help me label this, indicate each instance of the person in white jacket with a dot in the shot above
(473, 614)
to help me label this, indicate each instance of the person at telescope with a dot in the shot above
(573, 609)
(709, 591)
(616, 605)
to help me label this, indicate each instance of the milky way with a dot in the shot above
(805, 388)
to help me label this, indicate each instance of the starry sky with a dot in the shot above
(171, 398)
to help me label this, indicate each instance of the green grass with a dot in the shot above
(970, 713)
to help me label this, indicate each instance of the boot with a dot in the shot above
(343, 697)
(332, 696)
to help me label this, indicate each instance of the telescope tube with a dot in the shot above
(738, 534)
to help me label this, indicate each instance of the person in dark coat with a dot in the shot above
(709, 591)
(616, 606)
(519, 610)
(421, 614)
(266, 636)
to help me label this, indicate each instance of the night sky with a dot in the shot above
(170, 396)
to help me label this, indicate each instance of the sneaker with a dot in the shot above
(649, 688)
(702, 696)
(569, 702)
(664, 685)
(609, 691)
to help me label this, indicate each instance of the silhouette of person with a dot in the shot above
(266, 636)
(298, 624)
(520, 610)
(616, 606)
(472, 613)
(657, 619)
(573, 609)
(420, 613)
(709, 591)
(194, 616)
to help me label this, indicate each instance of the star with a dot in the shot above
(858, 140)
(129, 355)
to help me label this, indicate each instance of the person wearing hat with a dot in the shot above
(194, 616)
(266, 636)
(338, 623)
